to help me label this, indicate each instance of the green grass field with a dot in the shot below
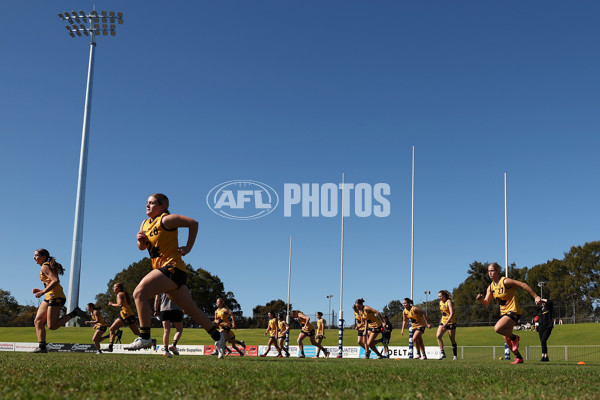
(136, 376)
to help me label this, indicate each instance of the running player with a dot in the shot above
(158, 235)
(307, 330)
(282, 330)
(448, 323)
(418, 320)
(169, 314)
(126, 315)
(372, 320)
(225, 319)
(100, 326)
(272, 332)
(320, 335)
(48, 313)
(504, 289)
(359, 325)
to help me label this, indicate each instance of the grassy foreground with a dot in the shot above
(578, 334)
(91, 376)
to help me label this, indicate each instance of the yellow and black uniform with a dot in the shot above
(126, 315)
(307, 328)
(373, 323)
(320, 328)
(416, 320)
(223, 315)
(509, 305)
(360, 324)
(162, 248)
(281, 325)
(445, 309)
(100, 324)
(272, 328)
(56, 296)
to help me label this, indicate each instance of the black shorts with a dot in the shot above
(171, 315)
(175, 274)
(375, 330)
(101, 329)
(385, 338)
(56, 302)
(361, 332)
(129, 320)
(450, 327)
(311, 333)
(320, 337)
(421, 329)
(512, 315)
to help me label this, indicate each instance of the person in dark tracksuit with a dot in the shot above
(546, 323)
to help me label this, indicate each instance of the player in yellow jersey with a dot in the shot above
(100, 326)
(320, 334)
(126, 315)
(48, 313)
(307, 330)
(503, 289)
(282, 330)
(419, 321)
(448, 323)
(372, 319)
(158, 235)
(272, 329)
(359, 325)
(225, 319)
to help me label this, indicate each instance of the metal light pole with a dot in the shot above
(541, 285)
(330, 318)
(75, 27)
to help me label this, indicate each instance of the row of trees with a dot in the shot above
(572, 283)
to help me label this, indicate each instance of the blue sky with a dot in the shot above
(187, 97)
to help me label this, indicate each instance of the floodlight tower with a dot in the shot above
(76, 27)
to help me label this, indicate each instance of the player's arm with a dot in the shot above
(524, 286)
(232, 318)
(95, 318)
(119, 302)
(157, 304)
(450, 312)
(485, 300)
(174, 221)
(142, 239)
(404, 321)
(50, 274)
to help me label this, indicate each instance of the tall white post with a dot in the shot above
(412, 227)
(287, 318)
(341, 313)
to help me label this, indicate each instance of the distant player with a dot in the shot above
(386, 335)
(126, 315)
(307, 330)
(448, 322)
(373, 323)
(504, 289)
(283, 329)
(100, 326)
(272, 330)
(320, 335)
(169, 314)
(418, 320)
(48, 313)
(226, 322)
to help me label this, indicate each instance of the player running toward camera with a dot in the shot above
(48, 313)
(504, 289)
(100, 326)
(448, 322)
(225, 319)
(158, 235)
(372, 320)
(272, 332)
(418, 319)
(360, 327)
(169, 314)
(126, 315)
(282, 330)
(320, 335)
(307, 330)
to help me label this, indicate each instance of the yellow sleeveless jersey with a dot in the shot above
(97, 314)
(360, 323)
(223, 315)
(307, 327)
(416, 320)
(320, 326)
(506, 297)
(57, 292)
(163, 244)
(282, 327)
(126, 309)
(445, 309)
(371, 319)
(272, 327)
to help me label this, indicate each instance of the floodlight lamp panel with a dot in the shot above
(78, 33)
(120, 14)
(68, 28)
(103, 12)
(105, 33)
(120, 21)
(74, 13)
(72, 34)
(85, 19)
(112, 20)
(96, 26)
(112, 27)
(82, 26)
(85, 32)
(112, 13)
(113, 33)
(77, 19)
(81, 13)
(62, 17)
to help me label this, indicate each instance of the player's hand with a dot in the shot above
(479, 297)
(183, 250)
(34, 291)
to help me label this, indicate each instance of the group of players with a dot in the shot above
(167, 284)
